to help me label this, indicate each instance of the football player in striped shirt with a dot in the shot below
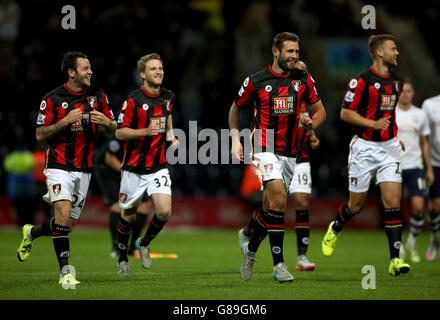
(67, 121)
(145, 124)
(375, 152)
(275, 95)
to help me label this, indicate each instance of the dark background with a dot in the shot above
(208, 47)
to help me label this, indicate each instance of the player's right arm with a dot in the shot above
(124, 132)
(46, 129)
(356, 119)
(234, 127)
(350, 104)
(245, 95)
(130, 133)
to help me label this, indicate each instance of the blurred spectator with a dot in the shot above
(20, 185)
(9, 20)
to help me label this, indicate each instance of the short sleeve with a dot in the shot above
(126, 114)
(353, 94)
(246, 93)
(106, 110)
(46, 112)
(312, 93)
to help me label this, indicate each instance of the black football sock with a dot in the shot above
(275, 228)
(124, 232)
(153, 230)
(259, 233)
(343, 217)
(138, 226)
(302, 229)
(44, 229)
(249, 229)
(434, 221)
(416, 224)
(393, 230)
(60, 239)
(113, 227)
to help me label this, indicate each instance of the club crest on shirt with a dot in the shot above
(268, 168)
(296, 85)
(354, 181)
(93, 102)
(56, 188)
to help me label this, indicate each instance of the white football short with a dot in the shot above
(371, 159)
(134, 186)
(302, 179)
(270, 166)
(67, 185)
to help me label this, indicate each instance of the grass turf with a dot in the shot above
(208, 268)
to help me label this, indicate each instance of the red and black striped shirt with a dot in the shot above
(72, 148)
(146, 154)
(374, 96)
(277, 101)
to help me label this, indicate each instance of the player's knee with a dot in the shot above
(73, 223)
(278, 203)
(301, 203)
(163, 214)
(355, 206)
(391, 202)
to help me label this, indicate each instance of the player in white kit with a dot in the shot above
(414, 131)
(432, 108)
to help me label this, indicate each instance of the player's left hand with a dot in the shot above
(314, 142)
(99, 118)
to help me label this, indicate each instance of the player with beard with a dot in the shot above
(375, 152)
(275, 94)
(67, 121)
(299, 190)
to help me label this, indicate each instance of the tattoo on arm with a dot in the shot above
(44, 133)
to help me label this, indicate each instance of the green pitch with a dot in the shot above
(208, 268)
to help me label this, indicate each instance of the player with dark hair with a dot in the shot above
(299, 189)
(276, 94)
(67, 121)
(413, 132)
(375, 152)
(145, 124)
